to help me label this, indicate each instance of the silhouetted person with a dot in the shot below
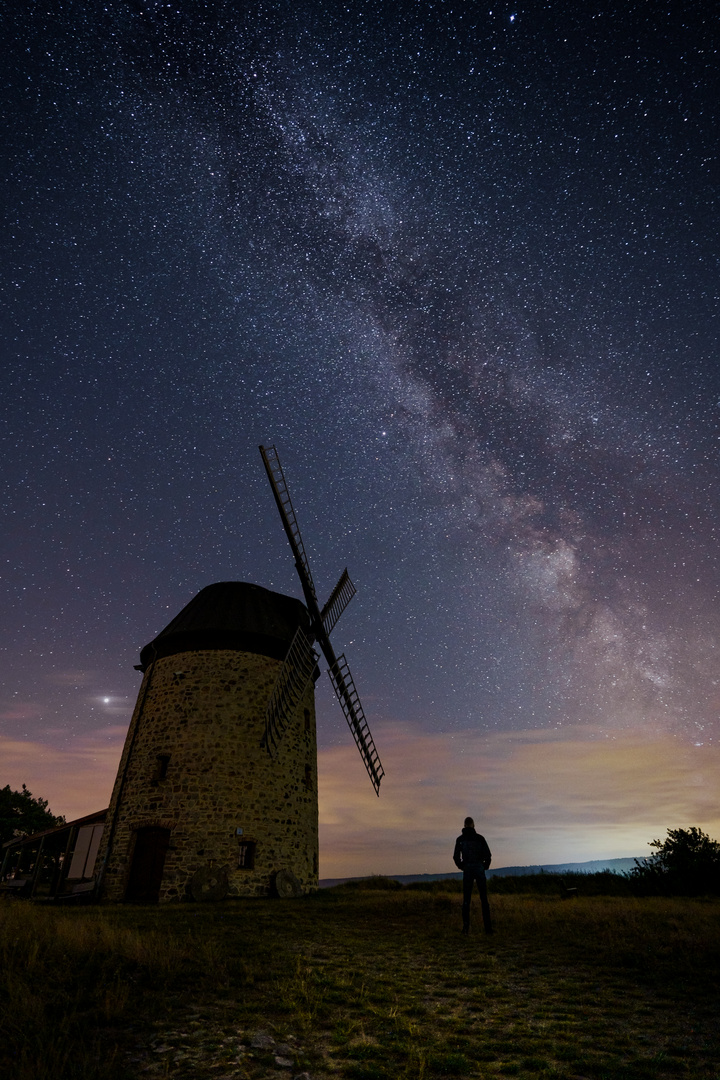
(472, 856)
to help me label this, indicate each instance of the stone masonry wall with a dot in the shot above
(206, 711)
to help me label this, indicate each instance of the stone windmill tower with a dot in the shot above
(216, 792)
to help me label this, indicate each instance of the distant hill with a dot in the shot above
(594, 866)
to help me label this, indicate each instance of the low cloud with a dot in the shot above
(539, 798)
(77, 780)
(25, 710)
(73, 677)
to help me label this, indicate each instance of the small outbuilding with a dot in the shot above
(55, 864)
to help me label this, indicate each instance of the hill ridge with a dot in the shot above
(592, 866)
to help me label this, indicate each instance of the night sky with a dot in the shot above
(459, 263)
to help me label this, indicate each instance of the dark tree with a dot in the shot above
(686, 862)
(22, 815)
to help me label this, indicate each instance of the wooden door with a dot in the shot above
(148, 863)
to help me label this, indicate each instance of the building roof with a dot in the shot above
(231, 615)
(89, 819)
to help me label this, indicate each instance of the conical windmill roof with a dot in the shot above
(231, 615)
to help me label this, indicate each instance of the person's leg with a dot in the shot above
(482, 886)
(467, 894)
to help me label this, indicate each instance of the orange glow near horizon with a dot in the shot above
(538, 797)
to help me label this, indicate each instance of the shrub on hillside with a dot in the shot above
(439, 885)
(22, 815)
(602, 883)
(373, 883)
(686, 863)
(573, 882)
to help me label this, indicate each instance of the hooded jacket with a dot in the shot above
(471, 851)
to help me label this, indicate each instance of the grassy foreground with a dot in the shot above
(362, 984)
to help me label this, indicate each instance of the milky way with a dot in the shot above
(459, 265)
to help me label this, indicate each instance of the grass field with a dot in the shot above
(362, 984)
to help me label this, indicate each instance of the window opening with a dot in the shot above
(82, 865)
(246, 855)
(161, 767)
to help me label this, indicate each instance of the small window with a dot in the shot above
(246, 855)
(161, 767)
(307, 719)
(85, 852)
(308, 777)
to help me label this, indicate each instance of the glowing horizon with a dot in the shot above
(538, 798)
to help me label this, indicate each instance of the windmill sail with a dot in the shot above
(287, 513)
(347, 695)
(337, 601)
(289, 690)
(294, 675)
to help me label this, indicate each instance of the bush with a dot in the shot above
(22, 815)
(601, 883)
(373, 883)
(686, 863)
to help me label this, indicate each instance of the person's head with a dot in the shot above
(469, 823)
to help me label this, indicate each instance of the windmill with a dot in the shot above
(301, 660)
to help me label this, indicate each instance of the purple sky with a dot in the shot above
(461, 267)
